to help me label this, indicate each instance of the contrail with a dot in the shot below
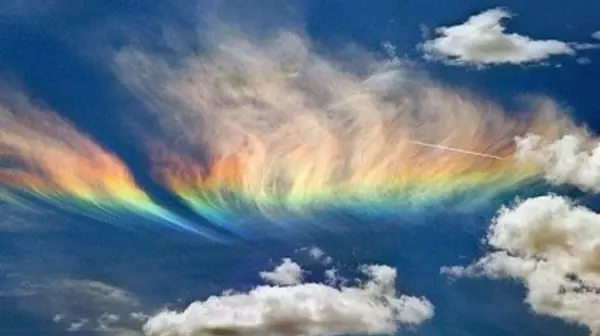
(424, 144)
(458, 150)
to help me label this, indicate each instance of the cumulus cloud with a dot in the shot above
(371, 307)
(482, 40)
(553, 247)
(573, 159)
(316, 253)
(596, 35)
(549, 243)
(287, 274)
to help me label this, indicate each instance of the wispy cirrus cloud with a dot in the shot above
(76, 305)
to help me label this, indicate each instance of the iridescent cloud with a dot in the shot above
(272, 128)
(44, 158)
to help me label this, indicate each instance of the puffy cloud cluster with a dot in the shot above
(549, 243)
(317, 254)
(286, 274)
(291, 307)
(572, 159)
(553, 247)
(482, 40)
(320, 255)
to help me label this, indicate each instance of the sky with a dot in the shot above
(180, 133)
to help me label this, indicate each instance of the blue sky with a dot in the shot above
(58, 51)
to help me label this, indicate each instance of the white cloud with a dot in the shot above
(138, 316)
(112, 325)
(303, 309)
(107, 319)
(286, 274)
(332, 277)
(108, 324)
(482, 40)
(596, 35)
(318, 254)
(77, 326)
(548, 243)
(76, 292)
(553, 247)
(572, 159)
(97, 292)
